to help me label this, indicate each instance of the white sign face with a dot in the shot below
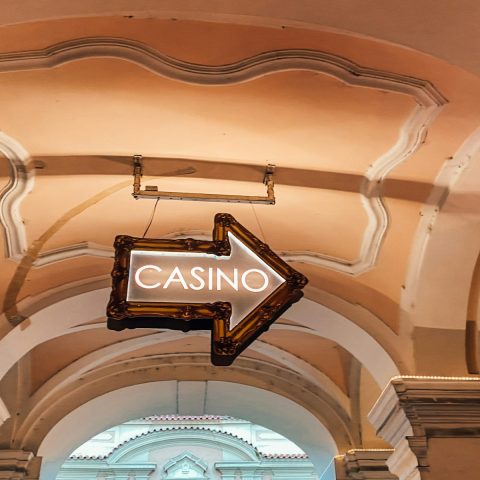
(242, 279)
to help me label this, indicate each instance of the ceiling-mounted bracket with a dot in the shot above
(152, 192)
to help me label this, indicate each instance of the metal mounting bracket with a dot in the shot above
(152, 191)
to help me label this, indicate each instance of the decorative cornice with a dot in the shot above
(285, 456)
(14, 464)
(91, 468)
(194, 459)
(413, 409)
(188, 418)
(281, 469)
(169, 434)
(428, 99)
(367, 464)
(440, 406)
(237, 72)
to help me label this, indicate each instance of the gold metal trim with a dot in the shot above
(226, 344)
(153, 192)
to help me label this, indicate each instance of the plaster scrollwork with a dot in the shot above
(428, 100)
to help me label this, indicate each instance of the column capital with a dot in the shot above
(413, 409)
(363, 464)
(18, 465)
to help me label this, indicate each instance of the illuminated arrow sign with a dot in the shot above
(233, 285)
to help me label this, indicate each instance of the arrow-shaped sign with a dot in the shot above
(234, 285)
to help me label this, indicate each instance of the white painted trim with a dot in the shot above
(51, 322)
(331, 325)
(73, 251)
(54, 385)
(241, 71)
(152, 368)
(20, 185)
(448, 176)
(429, 101)
(411, 137)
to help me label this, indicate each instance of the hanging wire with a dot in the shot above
(258, 223)
(151, 218)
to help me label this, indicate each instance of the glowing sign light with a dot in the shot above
(176, 275)
(234, 285)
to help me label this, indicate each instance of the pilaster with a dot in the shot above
(421, 417)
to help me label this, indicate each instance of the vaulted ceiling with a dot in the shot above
(372, 124)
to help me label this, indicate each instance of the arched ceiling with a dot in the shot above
(421, 26)
(376, 150)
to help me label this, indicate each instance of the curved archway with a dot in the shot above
(51, 321)
(254, 404)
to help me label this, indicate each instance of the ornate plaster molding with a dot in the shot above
(20, 185)
(73, 251)
(451, 172)
(413, 409)
(281, 381)
(198, 465)
(428, 99)
(243, 70)
(93, 360)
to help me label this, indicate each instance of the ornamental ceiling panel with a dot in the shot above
(296, 118)
(339, 117)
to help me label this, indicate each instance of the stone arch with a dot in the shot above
(194, 375)
(50, 322)
(263, 407)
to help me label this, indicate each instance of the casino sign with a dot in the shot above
(234, 286)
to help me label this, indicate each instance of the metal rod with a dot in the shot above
(152, 192)
(205, 197)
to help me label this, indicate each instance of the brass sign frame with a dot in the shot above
(226, 344)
